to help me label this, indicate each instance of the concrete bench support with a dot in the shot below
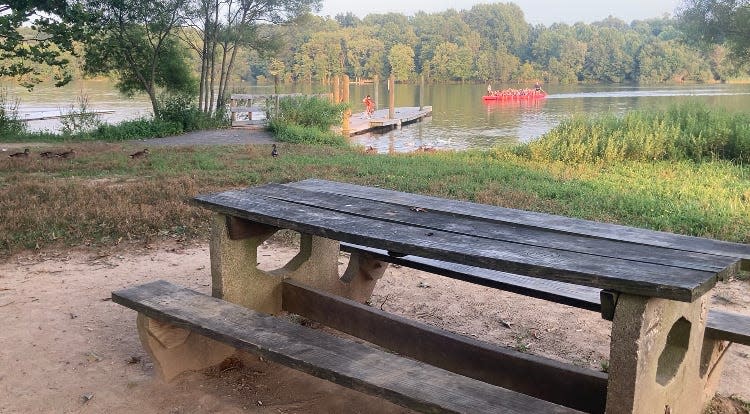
(659, 360)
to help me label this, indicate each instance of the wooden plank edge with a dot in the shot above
(539, 377)
(126, 298)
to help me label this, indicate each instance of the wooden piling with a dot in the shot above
(336, 89)
(376, 83)
(348, 112)
(421, 92)
(391, 97)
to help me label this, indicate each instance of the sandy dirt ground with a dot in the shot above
(65, 347)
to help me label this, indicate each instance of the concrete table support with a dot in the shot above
(237, 279)
(659, 360)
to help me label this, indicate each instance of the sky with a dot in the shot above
(536, 11)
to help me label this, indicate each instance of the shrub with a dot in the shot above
(307, 120)
(182, 110)
(78, 119)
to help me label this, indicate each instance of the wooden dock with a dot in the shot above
(360, 124)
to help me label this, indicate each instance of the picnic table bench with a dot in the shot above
(666, 343)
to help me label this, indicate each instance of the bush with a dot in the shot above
(307, 120)
(182, 110)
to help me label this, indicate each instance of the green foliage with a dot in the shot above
(689, 131)
(718, 21)
(310, 111)
(139, 128)
(9, 123)
(298, 134)
(181, 109)
(307, 120)
(27, 49)
(78, 119)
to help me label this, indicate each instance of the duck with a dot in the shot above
(67, 154)
(48, 154)
(140, 154)
(422, 148)
(370, 150)
(274, 151)
(24, 154)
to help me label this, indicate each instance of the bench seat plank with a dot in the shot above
(606, 273)
(721, 325)
(437, 220)
(406, 382)
(538, 220)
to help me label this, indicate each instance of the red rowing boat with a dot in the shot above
(501, 97)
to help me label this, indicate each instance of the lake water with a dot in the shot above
(460, 118)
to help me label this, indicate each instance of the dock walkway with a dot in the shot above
(360, 124)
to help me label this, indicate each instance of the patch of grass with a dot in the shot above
(102, 195)
(307, 120)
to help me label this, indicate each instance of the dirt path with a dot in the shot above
(66, 348)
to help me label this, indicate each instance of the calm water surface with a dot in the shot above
(460, 118)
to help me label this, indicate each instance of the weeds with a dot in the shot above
(78, 119)
(689, 131)
(10, 125)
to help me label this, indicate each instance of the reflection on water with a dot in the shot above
(460, 120)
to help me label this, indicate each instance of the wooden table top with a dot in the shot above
(606, 256)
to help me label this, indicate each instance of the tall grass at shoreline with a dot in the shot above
(690, 131)
(103, 197)
(307, 120)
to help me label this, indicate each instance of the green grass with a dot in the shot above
(691, 131)
(102, 196)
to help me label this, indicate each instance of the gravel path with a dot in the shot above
(213, 137)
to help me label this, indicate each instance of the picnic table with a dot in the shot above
(665, 354)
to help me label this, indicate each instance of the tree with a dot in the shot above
(401, 59)
(136, 42)
(718, 21)
(227, 26)
(24, 51)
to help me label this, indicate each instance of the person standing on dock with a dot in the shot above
(369, 106)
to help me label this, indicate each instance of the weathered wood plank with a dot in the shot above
(605, 273)
(406, 382)
(437, 220)
(582, 297)
(543, 378)
(540, 220)
(728, 327)
(720, 325)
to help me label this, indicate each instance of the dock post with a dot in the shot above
(391, 97)
(348, 112)
(336, 89)
(421, 91)
(376, 83)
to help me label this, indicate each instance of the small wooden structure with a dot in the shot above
(666, 343)
(243, 106)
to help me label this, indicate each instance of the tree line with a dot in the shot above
(493, 42)
(199, 47)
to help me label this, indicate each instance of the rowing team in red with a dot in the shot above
(509, 93)
(516, 92)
